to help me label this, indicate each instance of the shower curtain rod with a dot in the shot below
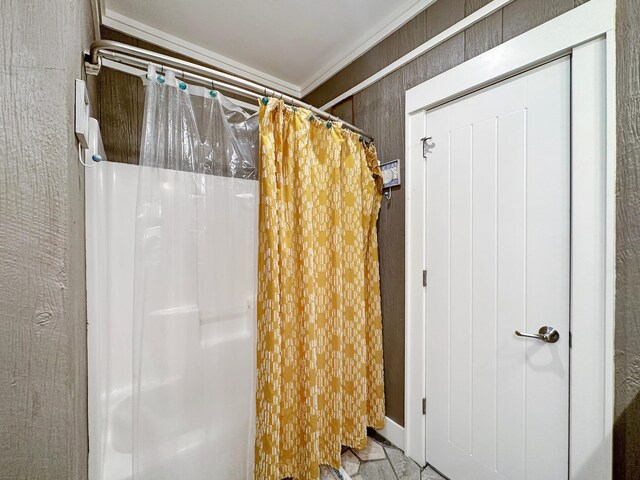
(141, 58)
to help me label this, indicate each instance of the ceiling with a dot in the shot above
(289, 45)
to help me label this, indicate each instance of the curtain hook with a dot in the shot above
(182, 86)
(162, 70)
(81, 154)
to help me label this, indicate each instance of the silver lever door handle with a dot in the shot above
(546, 334)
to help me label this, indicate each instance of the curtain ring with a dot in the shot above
(162, 70)
(182, 75)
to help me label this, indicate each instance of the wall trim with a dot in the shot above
(393, 432)
(430, 44)
(556, 37)
(150, 34)
(125, 24)
(383, 31)
(588, 33)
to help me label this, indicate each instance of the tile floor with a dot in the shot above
(379, 460)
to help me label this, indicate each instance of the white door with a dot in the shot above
(497, 260)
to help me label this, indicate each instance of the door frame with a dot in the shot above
(587, 33)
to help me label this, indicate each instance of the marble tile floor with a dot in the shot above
(379, 460)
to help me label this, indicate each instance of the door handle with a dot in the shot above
(546, 334)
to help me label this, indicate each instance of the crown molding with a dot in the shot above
(152, 35)
(127, 25)
(491, 7)
(401, 16)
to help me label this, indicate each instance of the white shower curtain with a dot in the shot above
(194, 286)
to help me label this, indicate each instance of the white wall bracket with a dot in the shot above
(91, 68)
(83, 108)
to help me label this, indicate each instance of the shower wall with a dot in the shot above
(43, 421)
(196, 395)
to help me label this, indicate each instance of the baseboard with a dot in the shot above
(393, 432)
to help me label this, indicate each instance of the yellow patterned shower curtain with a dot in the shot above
(319, 355)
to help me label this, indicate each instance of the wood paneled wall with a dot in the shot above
(626, 437)
(43, 321)
(379, 110)
(121, 108)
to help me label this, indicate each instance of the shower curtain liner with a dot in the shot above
(194, 286)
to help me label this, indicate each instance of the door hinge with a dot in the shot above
(424, 406)
(424, 278)
(570, 340)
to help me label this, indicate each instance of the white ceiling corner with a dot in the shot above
(164, 39)
(292, 46)
(405, 12)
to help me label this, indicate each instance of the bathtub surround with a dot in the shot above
(43, 421)
(319, 357)
(193, 286)
(171, 249)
